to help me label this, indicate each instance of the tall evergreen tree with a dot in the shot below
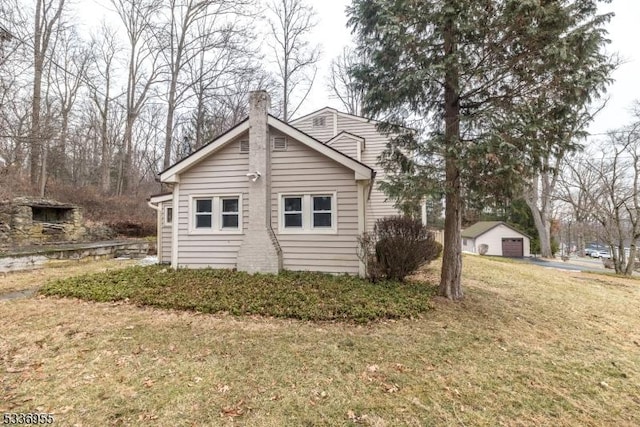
(459, 66)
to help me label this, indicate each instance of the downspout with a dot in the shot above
(373, 177)
(156, 208)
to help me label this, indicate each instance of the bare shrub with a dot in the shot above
(127, 215)
(397, 247)
(483, 249)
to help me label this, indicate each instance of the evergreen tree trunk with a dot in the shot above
(450, 279)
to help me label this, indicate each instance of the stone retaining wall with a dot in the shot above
(38, 259)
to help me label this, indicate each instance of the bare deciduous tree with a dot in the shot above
(295, 57)
(47, 19)
(610, 181)
(143, 69)
(68, 76)
(100, 91)
(196, 30)
(341, 83)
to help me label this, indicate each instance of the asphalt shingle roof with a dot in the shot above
(481, 227)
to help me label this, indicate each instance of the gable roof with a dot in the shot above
(360, 170)
(346, 134)
(481, 227)
(333, 111)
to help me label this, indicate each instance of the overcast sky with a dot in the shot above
(624, 32)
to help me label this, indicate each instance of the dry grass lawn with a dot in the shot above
(528, 346)
(11, 282)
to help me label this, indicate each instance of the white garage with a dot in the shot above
(501, 239)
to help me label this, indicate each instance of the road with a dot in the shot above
(573, 264)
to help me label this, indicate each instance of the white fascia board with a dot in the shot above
(344, 134)
(361, 171)
(171, 174)
(160, 199)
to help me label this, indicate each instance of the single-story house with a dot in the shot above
(268, 195)
(501, 239)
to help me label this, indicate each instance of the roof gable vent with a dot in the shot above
(319, 122)
(279, 143)
(244, 145)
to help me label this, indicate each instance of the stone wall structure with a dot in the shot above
(30, 221)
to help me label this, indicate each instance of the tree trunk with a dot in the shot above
(38, 60)
(171, 106)
(631, 261)
(104, 140)
(543, 226)
(43, 171)
(450, 279)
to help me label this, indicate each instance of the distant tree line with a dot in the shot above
(155, 81)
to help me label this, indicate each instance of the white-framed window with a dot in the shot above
(309, 213)
(292, 210)
(215, 214)
(321, 211)
(230, 213)
(168, 216)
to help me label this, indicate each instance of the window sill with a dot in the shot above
(215, 232)
(313, 231)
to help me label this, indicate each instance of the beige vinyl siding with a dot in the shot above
(165, 235)
(222, 173)
(493, 239)
(376, 206)
(346, 145)
(321, 133)
(301, 170)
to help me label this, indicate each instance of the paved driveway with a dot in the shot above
(573, 264)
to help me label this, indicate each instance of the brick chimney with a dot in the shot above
(259, 251)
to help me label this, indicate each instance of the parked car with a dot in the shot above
(592, 252)
(603, 254)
